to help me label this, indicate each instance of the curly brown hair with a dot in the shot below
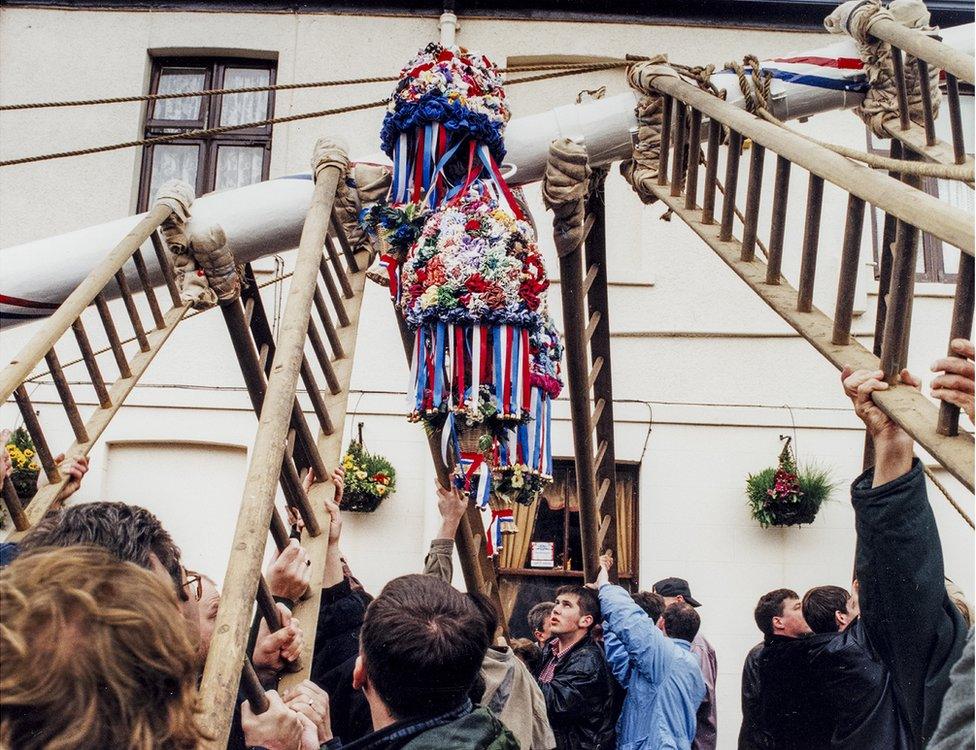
(95, 654)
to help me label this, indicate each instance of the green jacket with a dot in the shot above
(478, 730)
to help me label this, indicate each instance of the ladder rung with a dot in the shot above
(84, 346)
(67, 399)
(590, 278)
(249, 310)
(14, 506)
(132, 310)
(604, 528)
(147, 289)
(597, 412)
(595, 372)
(266, 604)
(587, 227)
(591, 326)
(604, 486)
(601, 452)
(112, 335)
(279, 532)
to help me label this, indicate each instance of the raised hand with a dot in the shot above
(273, 651)
(955, 384)
(892, 445)
(289, 573)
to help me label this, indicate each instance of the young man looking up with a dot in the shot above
(706, 736)
(575, 677)
(653, 661)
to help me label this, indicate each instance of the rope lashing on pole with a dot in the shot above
(641, 171)
(270, 87)
(855, 19)
(564, 190)
(755, 90)
(592, 68)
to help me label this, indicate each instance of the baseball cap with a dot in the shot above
(675, 587)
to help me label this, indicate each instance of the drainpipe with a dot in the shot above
(448, 24)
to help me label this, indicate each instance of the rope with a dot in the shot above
(944, 491)
(193, 134)
(756, 93)
(256, 89)
(192, 313)
(279, 120)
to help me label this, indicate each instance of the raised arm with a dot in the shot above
(451, 505)
(647, 647)
(906, 613)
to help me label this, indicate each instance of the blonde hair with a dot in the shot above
(95, 654)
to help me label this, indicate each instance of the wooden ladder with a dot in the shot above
(122, 267)
(586, 331)
(284, 448)
(908, 213)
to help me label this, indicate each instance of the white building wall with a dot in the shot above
(706, 376)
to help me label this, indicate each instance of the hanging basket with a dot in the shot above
(370, 478)
(784, 495)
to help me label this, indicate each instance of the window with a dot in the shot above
(934, 262)
(210, 163)
(527, 577)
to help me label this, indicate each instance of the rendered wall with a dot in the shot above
(693, 348)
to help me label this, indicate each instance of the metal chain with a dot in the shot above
(278, 120)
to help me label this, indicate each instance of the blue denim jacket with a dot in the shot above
(663, 680)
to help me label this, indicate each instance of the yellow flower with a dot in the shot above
(380, 490)
(429, 297)
(360, 474)
(28, 453)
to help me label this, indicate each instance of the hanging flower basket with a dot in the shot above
(783, 495)
(24, 466)
(369, 478)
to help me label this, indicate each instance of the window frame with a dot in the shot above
(931, 250)
(568, 466)
(215, 69)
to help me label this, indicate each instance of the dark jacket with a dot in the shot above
(348, 708)
(341, 612)
(749, 738)
(462, 729)
(580, 698)
(793, 713)
(858, 688)
(907, 618)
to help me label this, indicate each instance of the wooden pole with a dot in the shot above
(222, 672)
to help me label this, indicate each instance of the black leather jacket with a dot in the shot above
(580, 699)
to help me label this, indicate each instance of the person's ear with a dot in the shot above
(841, 619)
(777, 623)
(660, 625)
(680, 598)
(359, 673)
(586, 621)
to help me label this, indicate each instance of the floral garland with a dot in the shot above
(452, 86)
(473, 263)
(464, 270)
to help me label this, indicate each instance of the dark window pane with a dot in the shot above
(176, 81)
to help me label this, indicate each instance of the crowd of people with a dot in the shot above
(104, 634)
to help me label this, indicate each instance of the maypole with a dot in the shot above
(464, 271)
